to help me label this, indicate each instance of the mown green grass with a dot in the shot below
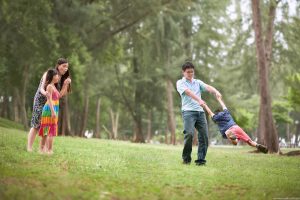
(101, 169)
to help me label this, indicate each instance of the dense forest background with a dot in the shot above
(126, 55)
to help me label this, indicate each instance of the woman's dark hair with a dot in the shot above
(187, 65)
(49, 76)
(61, 61)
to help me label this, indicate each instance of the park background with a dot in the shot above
(125, 57)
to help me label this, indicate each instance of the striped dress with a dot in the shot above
(49, 124)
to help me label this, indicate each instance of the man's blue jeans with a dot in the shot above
(192, 120)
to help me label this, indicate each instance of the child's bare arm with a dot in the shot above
(210, 113)
(222, 103)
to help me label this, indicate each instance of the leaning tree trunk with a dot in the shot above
(266, 123)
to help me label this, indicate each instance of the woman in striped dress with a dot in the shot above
(49, 119)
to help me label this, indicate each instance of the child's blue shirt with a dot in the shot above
(224, 121)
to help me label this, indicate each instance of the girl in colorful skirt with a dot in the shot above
(40, 98)
(49, 119)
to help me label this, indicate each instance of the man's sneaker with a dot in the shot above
(231, 136)
(262, 148)
(200, 162)
(186, 162)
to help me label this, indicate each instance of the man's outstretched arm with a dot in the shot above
(213, 90)
(195, 97)
(221, 103)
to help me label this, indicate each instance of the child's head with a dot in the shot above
(217, 111)
(51, 77)
(188, 70)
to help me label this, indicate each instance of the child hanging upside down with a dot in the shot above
(229, 129)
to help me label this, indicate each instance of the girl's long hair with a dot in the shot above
(49, 76)
(60, 84)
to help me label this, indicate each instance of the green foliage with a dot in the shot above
(134, 46)
(26, 39)
(281, 112)
(244, 119)
(293, 93)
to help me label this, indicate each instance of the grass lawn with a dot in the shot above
(102, 169)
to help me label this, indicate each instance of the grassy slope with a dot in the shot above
(101, 169)
(10, 124)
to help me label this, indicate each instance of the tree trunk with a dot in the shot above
(138, 131)
(85, 115)
(266, 122)
(297, 135)
(23, 96)
(269, 34)
(166, 136)
(67, 127)
(288, 139)
(4, 107)
(16, 107)
(149, 126)
(170, 106)
(60, 117)
(98, 130)
(64, 127)
(114, 123)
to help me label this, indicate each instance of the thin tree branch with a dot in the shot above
(121, 88)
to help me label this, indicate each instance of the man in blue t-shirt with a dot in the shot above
(193, 115)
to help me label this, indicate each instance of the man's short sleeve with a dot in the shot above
(181, 87)
(202, 86)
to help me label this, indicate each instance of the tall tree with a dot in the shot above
(26, 49)
(267, 127)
